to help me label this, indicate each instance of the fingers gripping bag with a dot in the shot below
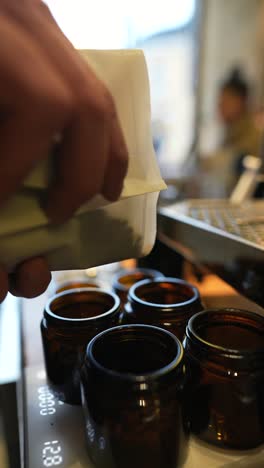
(100, 232)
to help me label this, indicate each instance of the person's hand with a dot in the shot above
(47, 90)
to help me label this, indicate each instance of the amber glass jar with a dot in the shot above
(168, 303)
(225, 357)
(71, 319)
(132, 385)
(125, 279)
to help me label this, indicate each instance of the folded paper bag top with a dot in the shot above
(100, 232)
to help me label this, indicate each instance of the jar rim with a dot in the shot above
(123, 287)
(134, 298)
(81, 284)
(129, 376)
(49, 314)
(192, 334)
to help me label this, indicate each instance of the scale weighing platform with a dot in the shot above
(54, 433)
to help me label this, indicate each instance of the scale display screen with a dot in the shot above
(55, 434)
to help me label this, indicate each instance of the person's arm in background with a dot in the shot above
(46, 89)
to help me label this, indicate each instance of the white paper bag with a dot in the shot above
(99, 232)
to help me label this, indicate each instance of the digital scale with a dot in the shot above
(54, 433)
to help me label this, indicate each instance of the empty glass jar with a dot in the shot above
(166, 302)
(225, 358)
(132, 385)
(125, 279)
(71, 319)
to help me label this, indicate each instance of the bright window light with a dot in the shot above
(117, 24)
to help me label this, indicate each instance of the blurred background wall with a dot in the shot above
(232, 36)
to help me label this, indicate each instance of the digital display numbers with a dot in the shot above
(46, 401)
(51, 454)
(52, 450)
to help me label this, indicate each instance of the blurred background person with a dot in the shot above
(240, 135)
